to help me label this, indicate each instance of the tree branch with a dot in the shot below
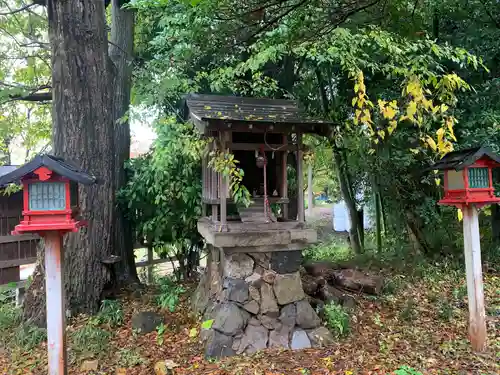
(26, 7)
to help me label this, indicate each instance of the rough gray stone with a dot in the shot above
(270, 322)
(219, 345)
(254, 293)
(306, 316)
(288, 288)
(321, 337)
(147, 321)
(280, 338)
(238, 266)
(286, 261)
(254, 339)
(300, 340)
(268, 303)
(201, 295)
(254, 322)
(288, 315)
(252, 307)
(236, 290)
(261, 259)
(254, 279)
(230, 319)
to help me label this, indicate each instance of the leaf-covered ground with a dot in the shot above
(420, 323)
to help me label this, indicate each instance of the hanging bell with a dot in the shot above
(260, 161)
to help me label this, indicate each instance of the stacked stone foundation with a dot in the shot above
(256, 301)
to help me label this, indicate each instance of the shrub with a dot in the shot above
(337, 319)
(89, 341)
(445, 310)
(170, 292)
(110, 313)
(10, 317)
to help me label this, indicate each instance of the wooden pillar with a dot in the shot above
(472, 247)
(300, 178)
(224, 182)
(284, 178)
(310, 199)
(56, 312)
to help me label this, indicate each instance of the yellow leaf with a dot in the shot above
(354, 100)
(412, 109)
(444, 108)
(193, 332)
(414, 150)
(438, 181)
(381, 134)
(371, 151)
(207, 107)
(431, 143)
(460, 215)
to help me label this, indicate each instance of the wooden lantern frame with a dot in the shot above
(463, 162)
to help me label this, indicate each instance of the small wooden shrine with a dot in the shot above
(252, 288)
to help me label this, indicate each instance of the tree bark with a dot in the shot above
(345, 188)
(82, 132)
(121, 51)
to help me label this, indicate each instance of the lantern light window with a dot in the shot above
(47, 196)
(455, 179)
(479, 178)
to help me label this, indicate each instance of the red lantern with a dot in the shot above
(468, 177)
(50, 194)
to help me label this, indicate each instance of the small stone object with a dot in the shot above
(288, 315)
(300, 340)
(252, 307)
(286, 261)
(321, 337)
(238, 266)
(280, 338)
(219, 346)
(237, 290)
(268, 303)
(88, 366)
(254, 339)
(306, 316)
(288, 288)
(147, 321)
(269, 276)
(230, 319)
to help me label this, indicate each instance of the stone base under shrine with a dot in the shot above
(256, 301)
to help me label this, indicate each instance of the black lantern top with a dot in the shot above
(464, 158)
(55, 164)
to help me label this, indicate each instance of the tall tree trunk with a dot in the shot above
(82, 132)
(121, 51)
(345, 188)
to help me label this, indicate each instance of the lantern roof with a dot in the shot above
(55, 164)
(463, 158)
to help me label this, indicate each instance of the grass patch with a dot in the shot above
(29, 336)
(89, 341)
(110, 313)
(337, 319)
(169, 294)
(334, 249)
(130, 358)
(10, 317)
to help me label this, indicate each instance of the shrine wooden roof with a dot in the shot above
(204, 109)
(463, 158)
(55, 164)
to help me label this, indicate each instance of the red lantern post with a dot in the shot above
(50, 195)
(468, 185)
